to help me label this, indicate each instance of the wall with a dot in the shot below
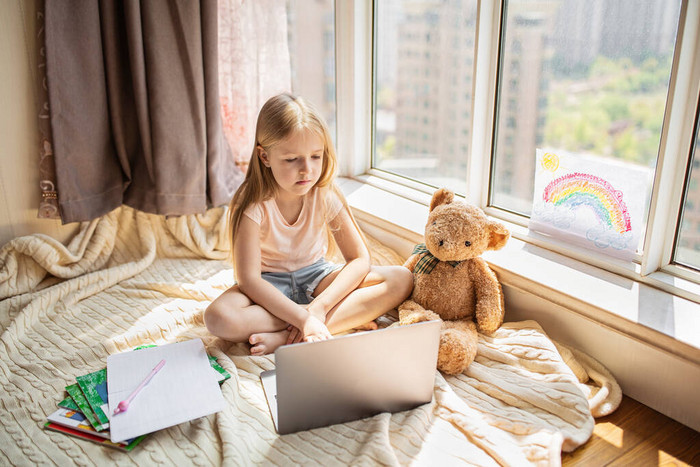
(19, 141)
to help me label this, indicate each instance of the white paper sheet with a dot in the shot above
(184, 389)
(597, 203)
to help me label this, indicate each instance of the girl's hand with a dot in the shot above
(313, 329)
(294, 335)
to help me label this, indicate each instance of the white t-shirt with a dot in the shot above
(285, 247)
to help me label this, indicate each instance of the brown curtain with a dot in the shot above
(48, 206)
(134, 102)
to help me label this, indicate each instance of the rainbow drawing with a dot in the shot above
(577, 190)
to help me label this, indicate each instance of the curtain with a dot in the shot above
(134, 101)
(48, 205)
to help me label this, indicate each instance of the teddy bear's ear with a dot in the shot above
(499, 236)
(442, 196)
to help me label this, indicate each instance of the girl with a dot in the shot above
(282, 218)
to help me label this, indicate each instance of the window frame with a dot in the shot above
(675, 154)
(355, 47)
(688, 180)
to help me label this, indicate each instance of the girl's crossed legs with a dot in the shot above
(233, 316)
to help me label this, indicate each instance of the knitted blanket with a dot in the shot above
(131, 278)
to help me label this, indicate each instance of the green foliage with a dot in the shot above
(616, 106)
(626, 146)
(616, 111)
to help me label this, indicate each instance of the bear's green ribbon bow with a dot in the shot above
(427, 262)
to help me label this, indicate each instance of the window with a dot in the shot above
(688, 238)
(433, 89)
(615, 81)
(596, 81)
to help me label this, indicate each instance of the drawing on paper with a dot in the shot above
(584, 199)
(581, 190)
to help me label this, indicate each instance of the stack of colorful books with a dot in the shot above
(83, 413)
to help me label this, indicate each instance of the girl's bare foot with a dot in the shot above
(371, 326)
(263, 343)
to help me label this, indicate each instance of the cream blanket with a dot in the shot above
(131, 278)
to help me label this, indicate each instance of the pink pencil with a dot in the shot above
(124, 405)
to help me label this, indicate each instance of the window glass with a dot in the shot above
(424, 63)
(588, 78)
(311, 37)
(688, 238)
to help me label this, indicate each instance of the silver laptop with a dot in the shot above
(350, 377)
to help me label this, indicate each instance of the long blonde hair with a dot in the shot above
(278, 119)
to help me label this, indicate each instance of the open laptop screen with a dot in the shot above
(354, 376)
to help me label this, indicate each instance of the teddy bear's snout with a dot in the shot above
(466, 243)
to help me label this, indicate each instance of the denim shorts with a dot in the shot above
(299, 285)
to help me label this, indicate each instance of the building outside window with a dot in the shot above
(432, 86)
(311, 37)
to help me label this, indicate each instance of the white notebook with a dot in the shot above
(184, 389)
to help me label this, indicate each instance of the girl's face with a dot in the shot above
(296, 162)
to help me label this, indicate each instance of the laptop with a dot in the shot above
(350, 377)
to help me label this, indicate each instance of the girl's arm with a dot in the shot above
(357, 265)
(247, 266)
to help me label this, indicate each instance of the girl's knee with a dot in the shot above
(212, 318)
(221, 316)
(401, 280)
(220, 320)
(407, 280)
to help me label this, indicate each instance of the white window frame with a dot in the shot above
(675, 149)
(354, 43)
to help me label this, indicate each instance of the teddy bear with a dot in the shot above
(452, 282)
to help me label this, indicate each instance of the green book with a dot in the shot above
(224, 375)
(69, 403)
(94, 387)
(83, 406)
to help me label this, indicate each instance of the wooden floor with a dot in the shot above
(635, 435)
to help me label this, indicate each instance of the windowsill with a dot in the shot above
(656, 317)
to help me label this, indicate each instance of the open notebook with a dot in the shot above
(184, 389)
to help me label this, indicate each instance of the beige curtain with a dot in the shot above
(134, 102)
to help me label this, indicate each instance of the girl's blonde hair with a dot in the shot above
(278, 119)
